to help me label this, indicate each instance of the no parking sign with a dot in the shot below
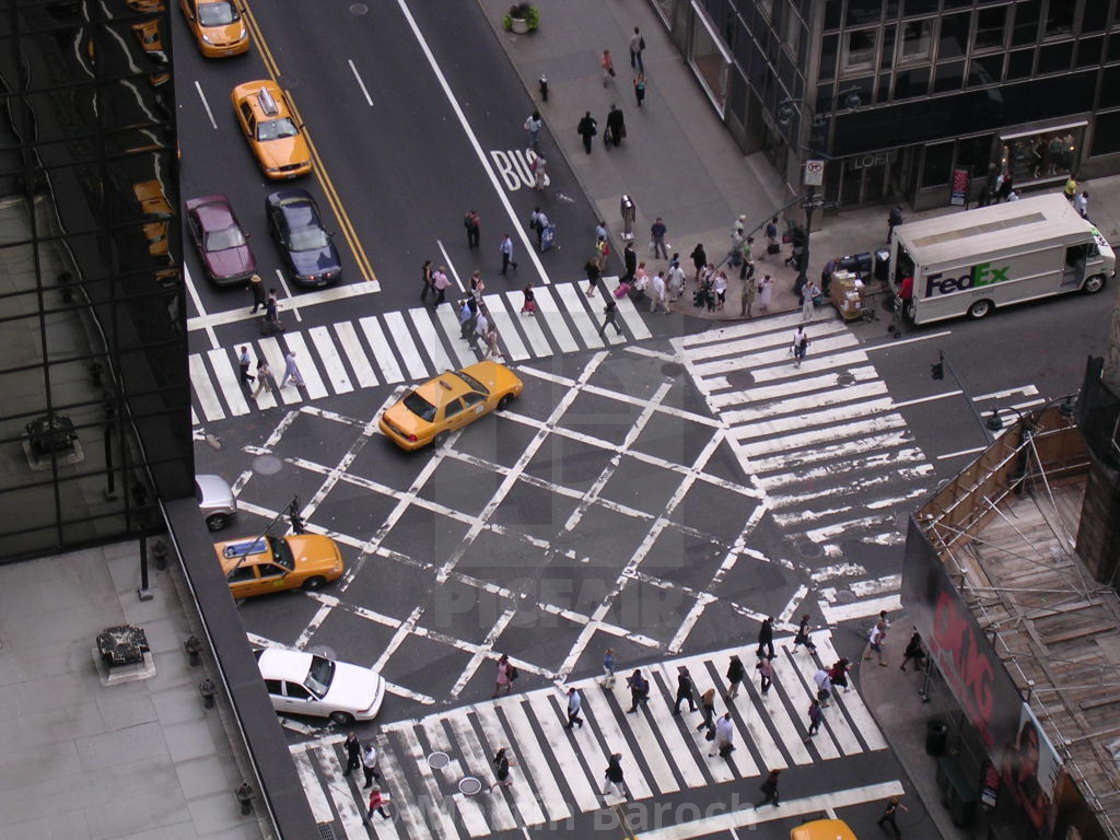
(814, 173)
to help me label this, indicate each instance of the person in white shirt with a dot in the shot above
(720, 288)
(725, 732)
(575, 701)
(657, 293)
(875, 642)
(824, 686)
(676, 281)
(1081, 204)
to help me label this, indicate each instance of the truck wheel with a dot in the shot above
(1094, 284)
(979, 309)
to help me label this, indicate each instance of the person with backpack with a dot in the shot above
(735, 674)
(501, 764)
(615, 778)
(639, 690)
(507, 673)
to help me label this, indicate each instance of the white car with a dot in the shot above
(305, 684)
(215, 500)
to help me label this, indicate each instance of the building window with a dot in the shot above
(1059, 17)
(1055, 58)
(1089, 51)
(909, 83)
(949, 77)
(990, 24)
(919, 7)
(935, 167)
(916, 40)
(1106, 134)
(859, 49)
(792, 32)
(1048, 154)
(864, 11)
(954, 35)
(828, 57)
(985, 70)
(832, 14)
(974, 154)
(1025, 26)
(1094, 17)
(887, 60)
(1019, 64)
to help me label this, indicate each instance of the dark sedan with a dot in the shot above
(310, 257)
(222, 246)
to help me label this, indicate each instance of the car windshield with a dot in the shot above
(281, 553)
(309, 239)
(276, 129)
(420, 407)
(216, 14)
(474, 383)
(220, 240)
(319, 676)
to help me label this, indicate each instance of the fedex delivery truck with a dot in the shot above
(978, 260)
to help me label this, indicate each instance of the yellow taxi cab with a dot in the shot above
(266, 120)
(822, 830)
(450, 401)
(154, 205)
(260, 565)
(218, 26)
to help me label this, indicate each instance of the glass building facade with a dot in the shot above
(900, 96)
(95, 421)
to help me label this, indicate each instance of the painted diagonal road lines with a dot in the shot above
(824, 441)
(414, 344)
(558, 774)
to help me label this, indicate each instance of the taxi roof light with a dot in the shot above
(267, 103)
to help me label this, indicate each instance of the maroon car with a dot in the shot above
(222, 245)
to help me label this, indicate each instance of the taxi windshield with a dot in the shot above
(276, 129)
(216, 14)
(220, 240)
(420, 407)
(319, 676)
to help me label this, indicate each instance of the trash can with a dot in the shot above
(937, 736)
(882, 266)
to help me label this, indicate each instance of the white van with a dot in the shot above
(974, 261)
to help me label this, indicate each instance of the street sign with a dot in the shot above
(814, 173)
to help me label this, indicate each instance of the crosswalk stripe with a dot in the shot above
(449, 323)
(832, 451)
(470, 809)
(312, 788)
(586, 797)
(759, 735)
(403, 805)
(829, 417)
(207, 396)
(888, 458)
(270, 347)
(742, 330)
(615, 741)
(856, 709)
(307, 368)
(814, 363)
(438, 819)
(631, 318)
(429, 339)
(555, 321)
(382, 353)
(507, 330)
(799, 695)
(337, 376)
(817, 400)
(229, 381)
(342, 796)
(194, 417)
(833, 717)
(718, 770)
(501, 818)
(403, 338)
(520, 790)
(781, 355)
(667, 725)
(781, 340)
(532, 328)
(595, 305)
(880, 423)
(572, 301)
(805, 385)
(352, 347)
(533, 757)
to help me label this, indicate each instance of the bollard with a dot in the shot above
(193, 647)
(159, 555)
(206, 688)
(245, 799)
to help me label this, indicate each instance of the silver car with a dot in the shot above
(215, 500)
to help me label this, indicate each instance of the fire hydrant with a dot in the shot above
(245, 799)
(206, 688)
(193, 647)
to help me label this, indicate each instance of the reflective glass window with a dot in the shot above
(863, 11)
(948, 77)
(1054, 58)
(1059, 17)
(990, 25)
(1019, 64)
(1025, 27)
(985, 70)
(954, 35)
(1089, 51)
(936, 163)
(916, 40)
(1106, 133)
(1094, 17)
(909, 83)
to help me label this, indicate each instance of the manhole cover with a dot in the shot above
(740, 378)
(267, 465)
(358, 8)
(808, 549)
(469, 786)
(673, 369)
(845, 378)
(438, 760)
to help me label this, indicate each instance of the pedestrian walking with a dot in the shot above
(440, 283)
(913, 651)
(802, 637)
(575, 700)
(587, 128)
(639, 690)
(243, 363)
(1070, 189)
(766, 638)
(506, 674)
(773, 246)
(699, 260)
(466, 317)
(265, 379)
(809, 294)
(538, 168)
(630, 260)
(637, 46)
(824, 686)
(481, 327)
(256, 286)
(838, 673)
(369, 764)
(814, 718)
(746, 268)
(641, 280)
(477, 286)
(377, 804)
(533, 125)
(725, 733)
(876, 639)
(473, 225)
(747, 296)
(272, 313)
(657, 233)
(501, 764)
(684, 690)
(529, 306)
(1006, 186)
(353, 753)
(593, 272)
(720, 289)
(606, 64)
(658, 296)
(765, 292)
(615, 778)
(506, 249)
(602, 251)
(800, 345)
(610, 316)
(538, 221)
(893, 804)
(769, 789)
(608, 669)
(735, 674)
(426, 279)
(291, 370)
(894, 219)
(765, 674)
(616, 127)
(708, 710)
(493, 349)
(640, 89)
(1081, 204)
(676, 281)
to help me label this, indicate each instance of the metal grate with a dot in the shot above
(326, 831)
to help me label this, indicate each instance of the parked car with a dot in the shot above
(215, 500)
(306, 684)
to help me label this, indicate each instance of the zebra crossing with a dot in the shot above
(426, 764)
(824, 440)
(392, 347)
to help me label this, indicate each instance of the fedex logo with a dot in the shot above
(979, 275)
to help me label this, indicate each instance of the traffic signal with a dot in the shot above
(937, 370)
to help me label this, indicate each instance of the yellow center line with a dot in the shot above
(320, 169)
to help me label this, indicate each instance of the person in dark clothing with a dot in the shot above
(501, 769)
(894, 219)
(272, 313)
(630, 258)
(708, 710)
(353, 754)
(610, 317)
(766, 639)
(735, 674)
(1005, 186)
(699, 259)
(587, 129)
(769, 789)
(639, 690)
(474, 227)
(684, 691)
(616, 127)
(913, 651)
(615, 777)
(888, 816)
(256, 285)
(802, 637)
